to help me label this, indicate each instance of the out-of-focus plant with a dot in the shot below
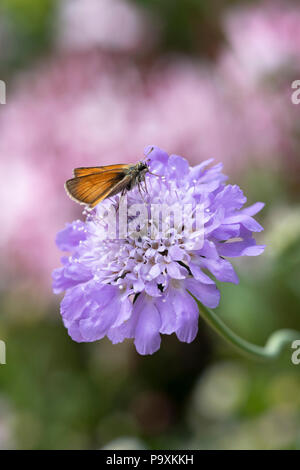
(26, 32)
(179, 25)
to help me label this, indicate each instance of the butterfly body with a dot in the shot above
(92, 185)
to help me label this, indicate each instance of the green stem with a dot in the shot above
(273, 348)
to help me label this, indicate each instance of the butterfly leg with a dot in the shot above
(122, 195)
(140, 191)
(146, 188)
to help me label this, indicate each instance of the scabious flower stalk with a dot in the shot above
(140, 286)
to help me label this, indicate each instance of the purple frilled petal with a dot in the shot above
(69, 275)
(147, 337)
(70, 237)
(175, 271)
(187, 315)
(90, 312)
(73, 304)
(198, 274)
(230, 197)
(240, 248)
(117, 334)
(221, 269)
(155, 153)
(254, 209)
(225, 232)
(188, 321)
(167, 314)
(245, 220)
(176, 253)
(178, 167)
(208, 294)
(179, 314)
(113, 314)
(207, 180)
(158, 159)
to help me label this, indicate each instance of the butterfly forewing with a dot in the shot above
(84, 171)
(93, 188)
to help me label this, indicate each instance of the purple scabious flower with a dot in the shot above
(139, 285)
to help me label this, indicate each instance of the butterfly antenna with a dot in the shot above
(148, 160)
(148, 153)
(141, 194)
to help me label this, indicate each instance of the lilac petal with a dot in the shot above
(69, 276)
(69, 238)
(125, 312)
(78, 272)
(150, 252)
(138, 285)
(212, 178)
(231, 197)
(74, 332)
(152, 289)
(102, 293)
(248, 222)
(199, 275)
(154, 153)
(208, 250)
(198, 170)
(178, 166)
(154, 271)
(103, 307)
(222, 270)
(73, 303)
(209, 186)
(174, 271)
(254, 209)
(216, 220)
(96, 326)
(125, 330)
(187, 315)
(246, 247)
(147, 337)
(208, 294)
(167, 315)
(176, 253)
(61, 282)
(224, 232)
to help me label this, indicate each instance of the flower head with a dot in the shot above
(142, 282)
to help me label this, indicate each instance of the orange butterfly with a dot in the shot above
(92, 185)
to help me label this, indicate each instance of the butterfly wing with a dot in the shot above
(93, 188)
(84, 171)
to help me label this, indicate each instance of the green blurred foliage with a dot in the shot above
(29, 31)
(190, 26)
(180, 24)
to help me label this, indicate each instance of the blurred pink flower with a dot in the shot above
(264, 38)
(110, 24)
(262, 61)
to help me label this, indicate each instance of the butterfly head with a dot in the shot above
(143, 165)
